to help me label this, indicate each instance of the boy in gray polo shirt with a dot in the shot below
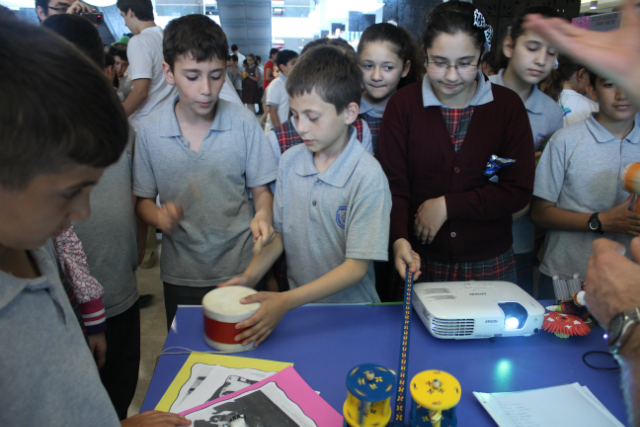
(332, 202)
(201, 144)
(578, 195)
(56, 142)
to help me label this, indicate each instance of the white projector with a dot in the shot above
(464, 310)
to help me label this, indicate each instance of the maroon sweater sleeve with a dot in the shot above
(513, 190)
(392, 155)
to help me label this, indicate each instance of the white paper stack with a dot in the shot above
(565, 405)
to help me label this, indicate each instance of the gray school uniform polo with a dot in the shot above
(326, 217)
(47, 374)
(108, 236)
(545, 116)
(580, 171)
(213, 242)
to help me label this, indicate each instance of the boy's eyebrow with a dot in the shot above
(459, 59)
(82, 184)
(196, 70)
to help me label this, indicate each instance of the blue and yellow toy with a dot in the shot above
(435, 395)
(369, 390)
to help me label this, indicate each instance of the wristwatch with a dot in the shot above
(594, 224)
(620, 328)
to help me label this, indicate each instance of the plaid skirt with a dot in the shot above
(502, 267)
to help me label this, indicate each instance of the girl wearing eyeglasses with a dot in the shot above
(529, 60)
(450, 221)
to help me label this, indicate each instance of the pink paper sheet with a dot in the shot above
(297, 390)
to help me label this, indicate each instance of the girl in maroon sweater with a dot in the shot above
(449, 220)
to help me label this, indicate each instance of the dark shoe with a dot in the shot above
(145, 300)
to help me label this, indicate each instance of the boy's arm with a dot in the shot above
(136, 97)
(273, 113)
(262, 224)
(259, 265)
(165, 218)
(620, 219)
(274, 305)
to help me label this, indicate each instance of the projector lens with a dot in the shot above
(511, 323)
(515, 315)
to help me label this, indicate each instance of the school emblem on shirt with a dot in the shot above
(341, 216)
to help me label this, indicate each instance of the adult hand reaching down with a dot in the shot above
(613, 281)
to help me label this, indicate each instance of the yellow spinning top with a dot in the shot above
(435, 391)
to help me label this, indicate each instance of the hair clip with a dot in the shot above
(478, 19)
(488, 36)
(392, 22)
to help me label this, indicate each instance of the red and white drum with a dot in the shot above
(222, 312)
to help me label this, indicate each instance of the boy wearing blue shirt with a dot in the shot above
(56, 142)
(201, 153)
(578, 195)
(332, 201)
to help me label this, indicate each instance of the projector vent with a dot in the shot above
(452, 327)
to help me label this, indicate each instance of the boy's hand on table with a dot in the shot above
(155, 419)
(429, 219)
(98, 347)
(169, 216)
(620, 219)
(274, 306)
(263, 233)
(404, 256)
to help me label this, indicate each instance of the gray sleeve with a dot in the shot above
(367, 141)
(550, 171)
(278, 203)
(273, 143)
(368, 219)
(144, 181)
(261, 165)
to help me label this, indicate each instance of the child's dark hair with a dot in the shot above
(194, 34)
(490, 59)
(49, 121)
(119, 50)
(341, 44)
(402, 44)
(284, 56)
(333, 74)
(258, 58)
(516, 29)
(554, 84)
(451, 18)
(142, 9)
(234, 57)
(273, 50)
(251, 55)
(592, 78)
(234, 47)
(109, 61)
(80, 32)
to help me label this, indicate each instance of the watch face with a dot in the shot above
(615, 327)
(593, 224)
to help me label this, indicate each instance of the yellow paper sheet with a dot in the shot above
(183, 376)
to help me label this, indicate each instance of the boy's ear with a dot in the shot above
(352, 111)
(406, 68)
(41, 13)
(507, 46)
(168, 74)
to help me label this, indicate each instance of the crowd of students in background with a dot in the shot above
(369, 162)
